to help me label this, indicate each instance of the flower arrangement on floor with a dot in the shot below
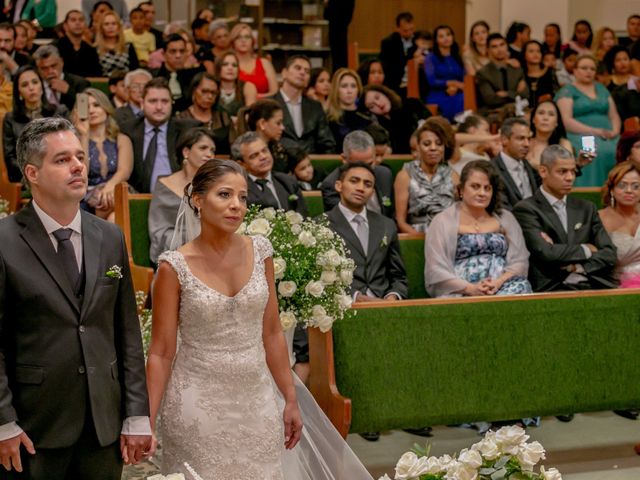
(311, 266)
(504, 454)
(144, 315)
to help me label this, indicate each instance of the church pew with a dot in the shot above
(449, 361)
(100, 83)
(592, 194)
(313, 199)
(328, 163)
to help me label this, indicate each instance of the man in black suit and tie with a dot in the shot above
(395, 51)
(73, 395)
(498, 82)
(174, 71)
(358, 146)
(154, 137)
(266, 187)
(519, 178)
(569, 247)
(60, 88)
(305, 123)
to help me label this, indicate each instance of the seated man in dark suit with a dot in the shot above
(358, 146)
(519, 178)
(173, 69)
(305, 123)
(134, 82)
(569, 247)
(154, 137)
(266, 187)
(499, 82)
(60, 88)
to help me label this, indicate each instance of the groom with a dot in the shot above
(73, 398)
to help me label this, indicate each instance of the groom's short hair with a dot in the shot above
(31, 148)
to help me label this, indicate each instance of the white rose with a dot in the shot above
(445, 461)
(346, 277)
(324, 323)
(279, 267)
(344, 301)
(314, 288)
(287, 288)
(551, 474)
(242, 229)
(425, 466)
(461, 471)
(318, 311)
(287, 320)
(293, 217)
(333, 258)
(509, 439)
(471, 458)
(269, 213)
(174, 476)
(385, 477)
(405, 465)
(296, 229)
(488, 447)
(328, 277)
(306, 238)
(529, 455)
(259, 226)
(325, 233)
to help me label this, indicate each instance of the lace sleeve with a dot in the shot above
(565, 92)
(263, 247)
(176, 260)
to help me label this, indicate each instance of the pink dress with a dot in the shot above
(628, 265)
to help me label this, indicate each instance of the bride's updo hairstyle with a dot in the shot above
(208, 175)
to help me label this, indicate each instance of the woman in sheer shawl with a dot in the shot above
(474, 247)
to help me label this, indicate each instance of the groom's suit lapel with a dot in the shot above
(39, 242)
(91, 248)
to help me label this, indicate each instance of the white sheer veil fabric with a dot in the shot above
(322, 453)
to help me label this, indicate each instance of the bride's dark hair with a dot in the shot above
(208, 175)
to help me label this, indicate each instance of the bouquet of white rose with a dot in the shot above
(504, 454)
(311, 266)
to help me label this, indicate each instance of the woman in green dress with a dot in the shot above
(587, 109)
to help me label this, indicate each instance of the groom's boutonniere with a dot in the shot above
(293, 197)
(386, 201)
(114, 272)
(384, 242)
(578, 226)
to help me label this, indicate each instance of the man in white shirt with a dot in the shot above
(73, 397)
(519, 178)
(570, 249)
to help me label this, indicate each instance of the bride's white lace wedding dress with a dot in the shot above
(222, 412)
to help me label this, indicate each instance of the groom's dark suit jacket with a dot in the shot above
(511, 193)
(536, 215)
(61, 354)
(381, 268)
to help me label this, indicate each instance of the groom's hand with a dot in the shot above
(135, 447)
(10, 451)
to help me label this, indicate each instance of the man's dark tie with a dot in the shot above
(267, 194)
(150, 157)
(505, 80)
(67, 256)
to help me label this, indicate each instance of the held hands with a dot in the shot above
(292, 424)
(10, 451)
(136, 447)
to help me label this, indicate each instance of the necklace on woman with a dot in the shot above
(476, 222)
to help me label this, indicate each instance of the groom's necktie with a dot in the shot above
(362, 230)
(67, 255)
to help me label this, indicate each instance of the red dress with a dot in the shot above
(258, 77)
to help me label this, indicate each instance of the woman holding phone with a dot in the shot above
(588, 110)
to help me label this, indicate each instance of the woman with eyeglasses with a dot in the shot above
(587, 109)
(204, 94)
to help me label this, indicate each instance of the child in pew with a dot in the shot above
(300, 166)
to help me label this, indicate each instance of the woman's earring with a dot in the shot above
(613, 202)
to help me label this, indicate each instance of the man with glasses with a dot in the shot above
(134, 83)
(570, 249)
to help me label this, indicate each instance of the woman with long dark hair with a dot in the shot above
(445, 73)
(546, 129)
(540, 79)
(582, 37)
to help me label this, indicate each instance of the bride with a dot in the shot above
(218, 371)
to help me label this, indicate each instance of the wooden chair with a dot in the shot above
(413, 80)
(9, 191)
(353, 56)
(470, 101)
(142, 274)
(632, 124)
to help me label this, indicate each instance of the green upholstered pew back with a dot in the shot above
(412, 251)
(591, 194)
(328, 163)
(314, 203)
(100, 83)
(139, 215)
(442, 363)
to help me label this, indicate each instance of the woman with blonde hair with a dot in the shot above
(109, 153)
(253, 69)
(343, 113)
(114, 53)
(604, 40)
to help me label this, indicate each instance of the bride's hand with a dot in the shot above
(292, 425)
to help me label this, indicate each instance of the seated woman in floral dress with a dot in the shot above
(474, 248)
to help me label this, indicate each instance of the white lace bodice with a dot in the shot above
(628, 248)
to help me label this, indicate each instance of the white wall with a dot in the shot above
(65, 5)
